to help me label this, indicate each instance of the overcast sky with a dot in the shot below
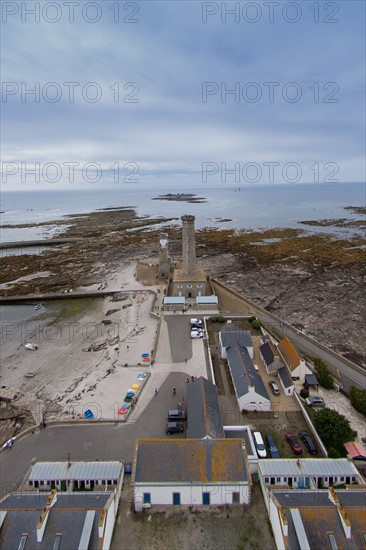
(149, 88)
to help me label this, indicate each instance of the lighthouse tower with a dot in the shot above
(188, 246)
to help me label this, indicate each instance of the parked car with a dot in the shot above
(315, 401)
(174, 428)
(176, 414)
(275, 389)
(196, 327)
(294, 444)
(195, 334)
(309, 442)
(198, 322)
(272, 447)
(259, 443)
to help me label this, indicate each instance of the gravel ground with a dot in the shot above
(240, 528)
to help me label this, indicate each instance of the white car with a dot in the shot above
(197, 329)
(196, 334)
(196, 322)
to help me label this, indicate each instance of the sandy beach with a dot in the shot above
(88, 356)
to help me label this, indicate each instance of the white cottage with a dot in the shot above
(190, 472)
(296, 365)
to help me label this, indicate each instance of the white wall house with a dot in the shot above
(231, 334)
(293, 361)
(190, 472)
(286, 381)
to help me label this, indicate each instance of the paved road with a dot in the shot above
(91, 442)
(179, 337)
(311, 347)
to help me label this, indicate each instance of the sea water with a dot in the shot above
(250, 206)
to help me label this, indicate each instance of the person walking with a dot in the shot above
(156, 391)
(174, 391)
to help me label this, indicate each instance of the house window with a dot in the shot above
(285, 479)
(206, 499)
(266, 479)
(109, 482)
(176, 499)
(199, 286)
(189, 286)
(278, 480)
(295, 478)
(41, 482)
(342, 478)
(353, 479)
(147, 498)
(179, 286)
(236, 498)
(30, 482)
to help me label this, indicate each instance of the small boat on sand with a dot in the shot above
(32, 347)
(38, 306)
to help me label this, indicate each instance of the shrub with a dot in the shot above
(218, 319)
(358, 399)
(304, 393)
(323, 375)
(256, 324)
(333, 453)
(333, 428)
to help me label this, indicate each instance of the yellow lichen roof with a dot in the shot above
(190, 460)
(289, 353)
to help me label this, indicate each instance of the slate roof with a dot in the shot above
(189, 460)
(48, 471)
(243, 434)
(204, 414)
(311, 379)
(23, 513)
(243, 372)
(289, 353)
(319, 516)
(267, 353)
(284, 375)
(231, 333)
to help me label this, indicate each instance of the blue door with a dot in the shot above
(206, 499)
(176, 499)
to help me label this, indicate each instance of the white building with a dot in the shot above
(190, 472)
(295, 364)
(237, 347)
(71, 476)
(322, 519)
(286, 381)
(230, 334)
(307, 473)
(53, 520)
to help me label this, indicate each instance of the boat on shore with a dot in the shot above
(38, 306)
(32, 347)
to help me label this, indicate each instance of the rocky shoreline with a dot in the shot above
(315, 281)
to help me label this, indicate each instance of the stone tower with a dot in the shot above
(188, 246)
(164, 259)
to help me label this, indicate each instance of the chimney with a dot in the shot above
(346, 524)
(41, 525)
(52, 499)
